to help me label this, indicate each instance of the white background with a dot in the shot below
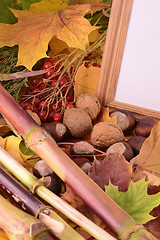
(139, 78)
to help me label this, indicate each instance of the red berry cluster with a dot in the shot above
(50, 94)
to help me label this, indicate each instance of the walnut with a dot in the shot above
(90, 104)
(77, 121)
(105, 134)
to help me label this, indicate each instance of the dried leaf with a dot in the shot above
(75, 201)
(3, 236)
(136, 201)
(48, 5)
(12, 147)
(34, 116)
(113, 168)
(149, 156)
(86, 80)
(104, 116)
(57, 46)
(34, 31)
(4, 129)
(2, 142)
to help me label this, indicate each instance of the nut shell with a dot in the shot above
(104, 134)
(125, 120)
(77, 121)
(144, 126)
(136, 143)
(122, 148)
(57, 130)
(90, 104)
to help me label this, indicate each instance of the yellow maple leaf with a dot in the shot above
(33, 31)
(48, 5)
(86, 80)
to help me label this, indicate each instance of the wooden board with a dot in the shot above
(130, 72)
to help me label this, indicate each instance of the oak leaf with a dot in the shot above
(34, 31)
(86, 80)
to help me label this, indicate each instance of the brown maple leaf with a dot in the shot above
(113, 168)
(33, 31)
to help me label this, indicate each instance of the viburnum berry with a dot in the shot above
(22, 104)
(42, 115)
(95, 64)
(54, 62)
(43, 105)
(63, 81)
(42, 86)
(28, 106)
(50, 116)
(69, 106)
(53, 83)
(36, 101)
(57, 117)
(49, 73)
(35, 81)
(70, 97)
(35, 90)
(47, 65)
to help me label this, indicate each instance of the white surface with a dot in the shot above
(139, 78)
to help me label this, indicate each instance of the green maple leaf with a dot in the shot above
(136, 202)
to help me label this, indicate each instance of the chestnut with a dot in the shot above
(136, 143)
(125, 120)
(144, 126)
(57, 130)
(122, 148)
(83, 163)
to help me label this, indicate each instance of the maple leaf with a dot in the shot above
(114, 168)
(148, 160)
(34, 31)
(48, 5)
(136, 202)
(86, 80)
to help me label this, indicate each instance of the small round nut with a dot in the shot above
(104, 134)
(90, 104)
(136, 143)
(82, 147)
(83, 163)
(43, 168)
(125, 120)
(122, 148)
(77, 121)
(144, 126)
(57, 130)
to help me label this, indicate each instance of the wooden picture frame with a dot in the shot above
(112, 60)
